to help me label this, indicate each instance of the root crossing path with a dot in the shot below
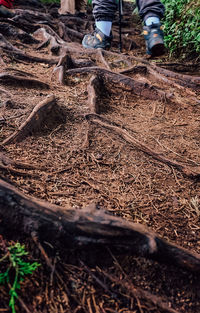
(110, 142)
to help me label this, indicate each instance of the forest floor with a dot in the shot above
(135, 152)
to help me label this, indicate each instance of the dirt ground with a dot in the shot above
(85, 157)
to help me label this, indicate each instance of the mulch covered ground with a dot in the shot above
(133, 148)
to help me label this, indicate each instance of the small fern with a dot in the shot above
(15, 263)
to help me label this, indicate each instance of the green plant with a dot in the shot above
(15, 265)
(182, 27)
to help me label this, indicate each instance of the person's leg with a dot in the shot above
(149, 8)
(151, 11)
(103, 11)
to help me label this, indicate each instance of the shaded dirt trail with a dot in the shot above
(116, 130)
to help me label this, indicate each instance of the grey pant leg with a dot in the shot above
(149, 8)
(104, 10)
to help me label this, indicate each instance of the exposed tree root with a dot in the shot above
(33, 122)
(193, 172)
(19, 72)
(3, 64)
(89, 226)
(29, 58)
(136, 69)
(10, 166)
(94, 89)
(48, 40)
(6, 161)
(75, 20)
(65, 63)
(6, 45)
(58, 38)
(184, 80)
(69, 34)
(11, 50)
(20, 23)
(59, 74)
(14, 80)
(44, 31)
(124, 82)
(15, 33)
(144, 70)
(102, 59)
(32, 15)
(69, 63)
(139, 293)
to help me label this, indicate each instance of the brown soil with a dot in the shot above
(81, 161)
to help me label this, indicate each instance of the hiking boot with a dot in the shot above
(154, 38)
(97, 40)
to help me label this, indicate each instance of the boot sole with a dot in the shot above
(157, 50)
(89, 47)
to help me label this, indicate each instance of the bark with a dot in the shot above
(33, 122)
(14, 80)
(125, 82)
(89, 227)
(94, 90)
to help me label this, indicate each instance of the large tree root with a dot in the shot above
(6, 45)
(15, 33)
(20, 23)
(11, 50)
(19, 55)
(125, 82)
(89, 226)
(182, 79)
(69, 34)
(48, 40)
(94, 90)
(65, 63)
(32, 15)
(193, 172)
(33, 122)
(14, 80)
(158, 77)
